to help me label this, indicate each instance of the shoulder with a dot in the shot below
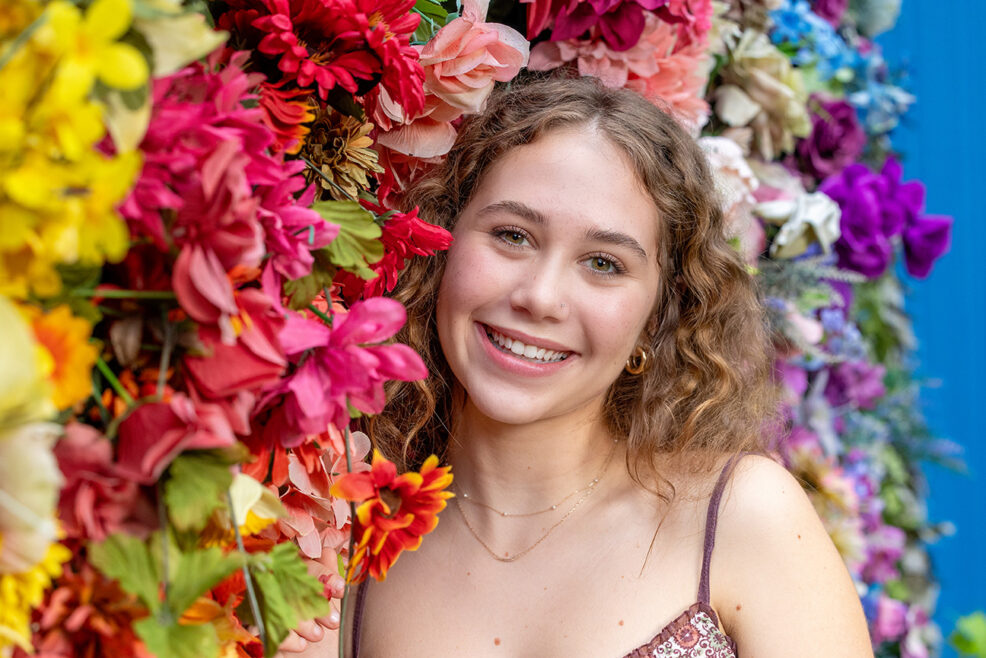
(777, 578)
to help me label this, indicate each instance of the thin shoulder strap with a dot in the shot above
(710, 526)
(358, 616)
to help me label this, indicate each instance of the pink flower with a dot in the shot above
(619, 22)
(891, 620)
(336, 368)
(96, 501)
(154, 434)
(659, 68)
(462, 62)
(884, 548)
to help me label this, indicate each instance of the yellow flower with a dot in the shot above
(255, 507)
(90, 47)
(24, 391)
(20, 592)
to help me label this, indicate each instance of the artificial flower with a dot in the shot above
(830, 10)
(254, 507)
(235, 641)
(394, 512)
(879, 102)
(69, 355)
(806, 220)
(96, 499)
(87, 614)
(324, 44)
(874, 17)
(24, 591)
(405, 235)
(339, 146)
(761, 89)
(857, 383)
(286, 113)
(813, 39)
(29, 484)
(25, 391)
(836, 140)
(620, 23)
(157, 432)
(658, 67)
(736, 184)
(343, 367)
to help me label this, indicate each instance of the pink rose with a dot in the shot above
(462, 63)
(466, 57)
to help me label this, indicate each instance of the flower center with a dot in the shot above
(392, 499)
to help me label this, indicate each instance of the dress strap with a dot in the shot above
(358, 616)
(710, 526)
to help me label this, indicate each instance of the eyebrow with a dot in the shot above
(594, 234)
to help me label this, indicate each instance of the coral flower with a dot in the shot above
(395, 512)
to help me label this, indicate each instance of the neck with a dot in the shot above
(523, 467)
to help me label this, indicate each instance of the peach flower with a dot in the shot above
(671, 74)
(736, 184)
(462, 62)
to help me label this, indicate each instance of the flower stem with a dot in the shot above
(113, 293)
(247, 578)
(114, 382)
(352, 520)
(169, 341)
(162, 515)
(325, 318)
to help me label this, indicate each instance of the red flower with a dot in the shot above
(286, 112)
(404, 235)
(620, 22)
(395, 512)
(352, 44)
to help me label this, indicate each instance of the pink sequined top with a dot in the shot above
(694, 633)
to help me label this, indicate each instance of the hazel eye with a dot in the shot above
(512, 236)
(602, 265)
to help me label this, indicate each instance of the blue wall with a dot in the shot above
(944, 145)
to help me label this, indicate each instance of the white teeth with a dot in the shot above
(532, 352)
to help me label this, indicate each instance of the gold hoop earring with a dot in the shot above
(637, 363)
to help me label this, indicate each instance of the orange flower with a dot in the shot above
(395, 512)
(68, 354)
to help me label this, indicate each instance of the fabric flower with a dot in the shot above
(96, 500)
(761, 89)
(619, 22)
(855, 382)
(462, 62)
(88, 614)
(836, 140)
(29, 484)
(671, 75)
(808, 219)
(324, 44)
(343, 366)
(155, 433)
(736, 184)
(394, 512)
(65, 341)
(405, 235)
(339, 145)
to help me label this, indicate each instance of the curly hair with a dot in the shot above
(707, 388)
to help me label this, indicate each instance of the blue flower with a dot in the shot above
(815, 40)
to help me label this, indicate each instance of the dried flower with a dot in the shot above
(340, 146)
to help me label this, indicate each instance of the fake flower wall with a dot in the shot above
(199, 226)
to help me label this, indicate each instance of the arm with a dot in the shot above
(778, 581)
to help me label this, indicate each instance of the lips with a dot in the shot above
(530, 351)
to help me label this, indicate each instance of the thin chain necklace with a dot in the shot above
(516, 556)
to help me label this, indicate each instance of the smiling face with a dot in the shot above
(551, 279)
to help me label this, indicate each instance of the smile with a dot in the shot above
(531, 353)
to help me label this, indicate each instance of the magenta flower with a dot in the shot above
(336, 368)
(620, 22)
(836, 138)
(855, 382)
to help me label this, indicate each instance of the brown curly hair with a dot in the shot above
(706, 391)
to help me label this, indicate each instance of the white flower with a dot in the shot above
(808, 218)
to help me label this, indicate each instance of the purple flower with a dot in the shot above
(884, 548)
(855, 382)
(620, 22)
(879, 207)
(830, 10)
(836, 138)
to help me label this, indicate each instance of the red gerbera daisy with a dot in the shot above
(352, 44)
(395, 512)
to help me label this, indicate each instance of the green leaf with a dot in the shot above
(128, 560)
(287, 593)
(358, 243)
(196, 486)
(196, 572)
(302, 291)
(178, 641)
(432, 10)
(969, 637)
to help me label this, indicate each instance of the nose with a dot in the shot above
(543, 290)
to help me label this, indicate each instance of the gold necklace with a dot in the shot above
(516, 556)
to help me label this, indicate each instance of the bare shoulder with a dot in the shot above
(777, 579)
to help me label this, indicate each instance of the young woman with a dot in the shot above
(599, 370)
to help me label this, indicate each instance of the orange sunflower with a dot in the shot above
(395, 512)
